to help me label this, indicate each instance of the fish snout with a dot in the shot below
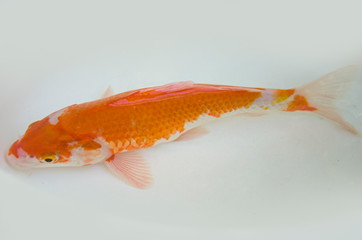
(14, 161)
(18, 158)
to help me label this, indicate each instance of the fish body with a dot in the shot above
(112, 129)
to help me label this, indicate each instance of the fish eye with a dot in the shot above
(49, 158)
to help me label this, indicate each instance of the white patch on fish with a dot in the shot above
(82, 157)
(53, 118)
(266, 102)
(23, 160)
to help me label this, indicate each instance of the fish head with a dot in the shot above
(46, 144)
(43, 145)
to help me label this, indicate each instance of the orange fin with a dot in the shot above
(131, 168)
(193, 133)
(325, 91)
(109, 92)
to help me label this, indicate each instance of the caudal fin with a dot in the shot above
(325, 91)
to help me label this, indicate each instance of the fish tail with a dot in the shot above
(321, 95)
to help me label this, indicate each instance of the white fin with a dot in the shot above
(109, 92)
(193, 133)
(131, 168)
(325, 91)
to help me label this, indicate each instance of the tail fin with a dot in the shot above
(323, 92)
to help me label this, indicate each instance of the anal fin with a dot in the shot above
(131, 168)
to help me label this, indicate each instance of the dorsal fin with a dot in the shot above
(109, 92)
(172, 87)
(154, 93)
(172, 90)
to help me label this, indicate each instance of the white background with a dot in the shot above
(283, 176)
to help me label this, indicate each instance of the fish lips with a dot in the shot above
(21, 160)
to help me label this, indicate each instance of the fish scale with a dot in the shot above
(162, 118)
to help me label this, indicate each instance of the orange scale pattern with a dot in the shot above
(139, 120)
(299, 103)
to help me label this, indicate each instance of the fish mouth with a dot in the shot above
(15, 162)
(22, 162)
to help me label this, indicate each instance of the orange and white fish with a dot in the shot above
(111, 129)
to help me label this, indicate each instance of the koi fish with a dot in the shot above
(112, 129)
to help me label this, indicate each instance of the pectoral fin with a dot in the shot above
(131, 168)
